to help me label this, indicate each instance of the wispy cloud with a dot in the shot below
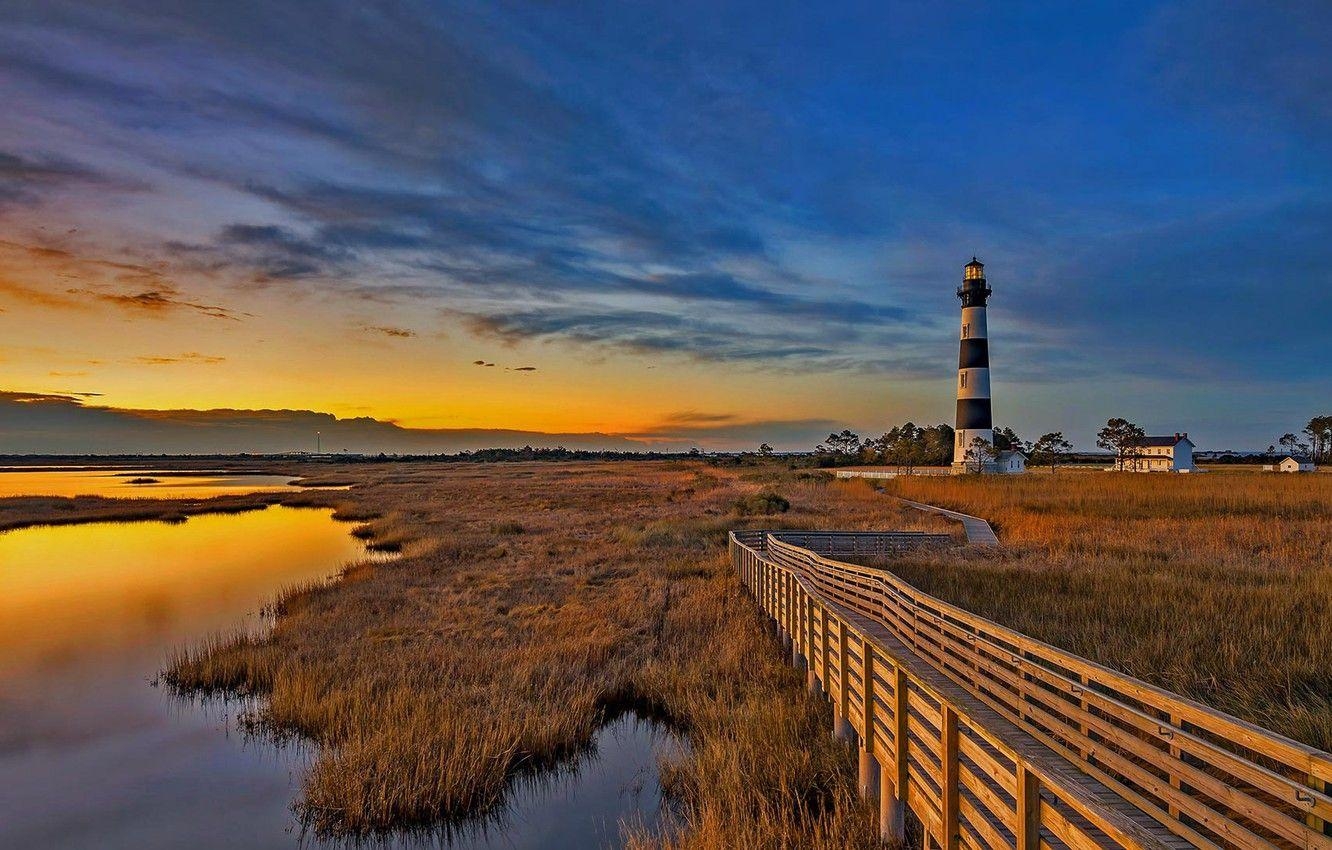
(27, 180)
(389, 330)
(189, 357)
(157, 302)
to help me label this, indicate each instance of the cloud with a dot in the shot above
(157, 302)
(30, 180)
(174, 359)
(388, 330)
(63, 423)
(520, 369)
(695, 418)
(481, 363)
(645, 332)
(59, 397)
(128, 284)
(728, 432)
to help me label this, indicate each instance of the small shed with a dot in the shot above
(1291, 463)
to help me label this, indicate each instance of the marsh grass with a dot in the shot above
(531, 601)
(1216, 586)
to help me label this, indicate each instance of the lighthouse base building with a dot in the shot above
(973, 447)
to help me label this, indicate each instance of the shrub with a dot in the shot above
(764, 504)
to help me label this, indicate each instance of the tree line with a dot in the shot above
(1317, 446)
(910, 445)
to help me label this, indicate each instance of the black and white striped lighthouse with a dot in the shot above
(973, 365)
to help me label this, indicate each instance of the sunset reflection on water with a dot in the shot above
(115, 483)
(91, 754)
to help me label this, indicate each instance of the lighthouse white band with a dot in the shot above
(973, 383)
(973, 323)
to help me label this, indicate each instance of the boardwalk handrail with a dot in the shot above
(989, 716)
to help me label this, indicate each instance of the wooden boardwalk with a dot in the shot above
(993, 739)
(978, 531)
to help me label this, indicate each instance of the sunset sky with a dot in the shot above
(671, 222)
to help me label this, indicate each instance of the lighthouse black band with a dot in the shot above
(975, 354)
(973, 413)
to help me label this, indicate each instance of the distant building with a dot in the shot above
(1161, 454)
(1291, 463)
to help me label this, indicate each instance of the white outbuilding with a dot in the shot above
(1162, 454)
(1292, 463)
(1008, 463)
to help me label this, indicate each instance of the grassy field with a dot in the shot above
(533, 601)
(1217, 586)
(530, 602)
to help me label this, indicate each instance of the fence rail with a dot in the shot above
(994, 739)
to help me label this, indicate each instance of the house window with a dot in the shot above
(966, 330)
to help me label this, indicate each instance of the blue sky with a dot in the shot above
(743, 199)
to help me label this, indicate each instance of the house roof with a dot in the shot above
(1007, 455)
(1296, 458)
(1154, 442)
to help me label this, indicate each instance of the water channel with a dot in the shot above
(93, 755)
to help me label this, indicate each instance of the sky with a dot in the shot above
(639, 224)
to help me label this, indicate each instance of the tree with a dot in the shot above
(1006, 439)
(1289, 443)
(843, 445)
(910, 445)
(1319, 431)
(765, 450)
(979, 453)
(1122, 438)
(1050, 449)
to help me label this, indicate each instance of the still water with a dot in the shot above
(122, 483)
(92, 755)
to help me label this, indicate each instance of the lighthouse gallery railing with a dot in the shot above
(995, 739)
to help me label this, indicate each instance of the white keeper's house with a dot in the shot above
(1162, 454)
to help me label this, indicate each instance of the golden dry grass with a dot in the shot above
(531, 600)
(1217, 586)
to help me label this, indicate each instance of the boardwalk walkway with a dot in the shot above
(993, 739)
(978, 530)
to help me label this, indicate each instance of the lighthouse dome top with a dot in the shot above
(974, 270)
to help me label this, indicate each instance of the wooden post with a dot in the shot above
(824, 676)
(1174, 777)
(867, 696)
(869, 775)
(842, 700)
(1082, 727)
(1027, 827)
(1316, 823)
(948, 779)
(892, 807)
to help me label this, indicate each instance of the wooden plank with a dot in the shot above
(1064, 829)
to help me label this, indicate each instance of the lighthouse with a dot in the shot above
(973, 366)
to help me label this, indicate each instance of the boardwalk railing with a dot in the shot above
(994, 739)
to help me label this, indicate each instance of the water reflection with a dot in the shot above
(93, 756)
(90, 754)
(586, 803)
(122, 483)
